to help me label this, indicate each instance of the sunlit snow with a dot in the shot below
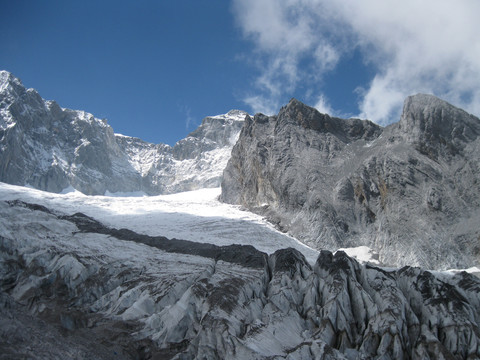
(362, 254)
(195, 216)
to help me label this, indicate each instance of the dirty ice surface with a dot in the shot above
(194, 215)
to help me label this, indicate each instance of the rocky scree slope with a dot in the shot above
(410, 191)
(52, 148)
(83, 290)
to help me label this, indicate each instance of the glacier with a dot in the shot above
(195, 215)
(93, 277)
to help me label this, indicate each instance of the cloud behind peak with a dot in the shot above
(429, 46)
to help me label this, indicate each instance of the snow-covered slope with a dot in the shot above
(51, 148)
(195, 216)
(72, 286)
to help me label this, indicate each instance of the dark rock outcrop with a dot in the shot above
(409, 191)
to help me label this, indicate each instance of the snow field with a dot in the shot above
(195, 215)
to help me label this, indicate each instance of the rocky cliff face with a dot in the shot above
(409, 191)
(83, 290)
(51, 148)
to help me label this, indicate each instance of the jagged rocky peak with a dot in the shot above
(220, 131)
(41, 142)
(221, 128)
(306, 116)
(25, 107)
(53, 148)
(296, 112)
(9, 83)
(405, 190)
(429, 114)
(16, 101)
(230, 117)
(12, 89)
(431, 122)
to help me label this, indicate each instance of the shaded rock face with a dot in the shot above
(409, 191)
(84, 290)
(51, 148)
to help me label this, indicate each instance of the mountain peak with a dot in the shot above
(305, 116)
(296, 104)
(419, 107)
(5, 76)
(240, 114)
(427, 118)
(424, 99)
(51, 148)
(310, 118)
(10, 83)
(231, 116)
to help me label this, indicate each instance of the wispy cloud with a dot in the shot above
(262, 104)
(190, 121)
(429, 46)
(285, 34)
(323, 105)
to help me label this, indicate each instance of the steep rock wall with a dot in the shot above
(409, 191)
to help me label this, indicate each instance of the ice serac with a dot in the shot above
(409, 191)
(52, 148)
(72, 287)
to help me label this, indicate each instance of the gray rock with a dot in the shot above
(409, 191)
(50, 148)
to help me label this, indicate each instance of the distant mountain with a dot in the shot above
(52, 148)
(410, 191)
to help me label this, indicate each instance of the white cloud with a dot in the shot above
(284, 32)
(262, 104)
(428, 46)
(323, 106)
(190, 121)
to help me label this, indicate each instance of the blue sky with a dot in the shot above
(154, 69)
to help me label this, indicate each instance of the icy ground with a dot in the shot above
(195, 215)
(73, 289)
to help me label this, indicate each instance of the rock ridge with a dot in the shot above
(407, 190)
(51, 148)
